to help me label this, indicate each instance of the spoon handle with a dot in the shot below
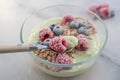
(16, 48)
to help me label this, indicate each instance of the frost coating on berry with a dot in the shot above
(63, 59)
(45, 33)
(67, 18)
(82, 43)
(58, 44)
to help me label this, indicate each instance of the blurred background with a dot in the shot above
(14, 12)
(20, 66)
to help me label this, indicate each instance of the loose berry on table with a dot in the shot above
(104, 13)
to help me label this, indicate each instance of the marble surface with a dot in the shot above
(19, 66)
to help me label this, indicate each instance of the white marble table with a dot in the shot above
(20, 66)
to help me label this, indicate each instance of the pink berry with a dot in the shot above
(102, 5)
(45, 33)
(58, 44)
(67, 18)
(63, 59)
(81, 36)
(104, 13)
(82, 43)
(93, 8)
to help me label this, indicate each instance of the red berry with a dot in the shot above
(45, 33)
(102, 5)
(81, 36)
(67, 18)
(82, 43)
(93, 8)
(104, 13)
(58, 44)
(63, 59)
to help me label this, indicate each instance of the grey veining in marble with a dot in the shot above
(21, 67)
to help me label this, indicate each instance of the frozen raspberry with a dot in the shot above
(81, 36)
(58, 44)
(63, 59)
(102, 5)
(45, 33)
(93, 8)
(82, 43)
(67, 18)
(104, 13)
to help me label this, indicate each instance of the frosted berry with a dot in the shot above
(83, 30)
(112, 14)
(93, 8)
(82, 43)
(74, 24)
(67, 18)
(104, 13)
(102, 5)
(83, 25)
(45, 33)
(63, 59)
(81, 36)
(58, 44)
(102, 10)
(47, 41)
(58, 30)
(52, 26)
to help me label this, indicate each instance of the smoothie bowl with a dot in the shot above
(73, 37)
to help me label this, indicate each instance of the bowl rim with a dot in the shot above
(65, 65)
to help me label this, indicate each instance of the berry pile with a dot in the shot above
(82, 28)
(102, 10)
(53, 37)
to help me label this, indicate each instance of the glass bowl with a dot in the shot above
(32, 22)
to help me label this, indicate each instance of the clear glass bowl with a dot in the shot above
(59, 11)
